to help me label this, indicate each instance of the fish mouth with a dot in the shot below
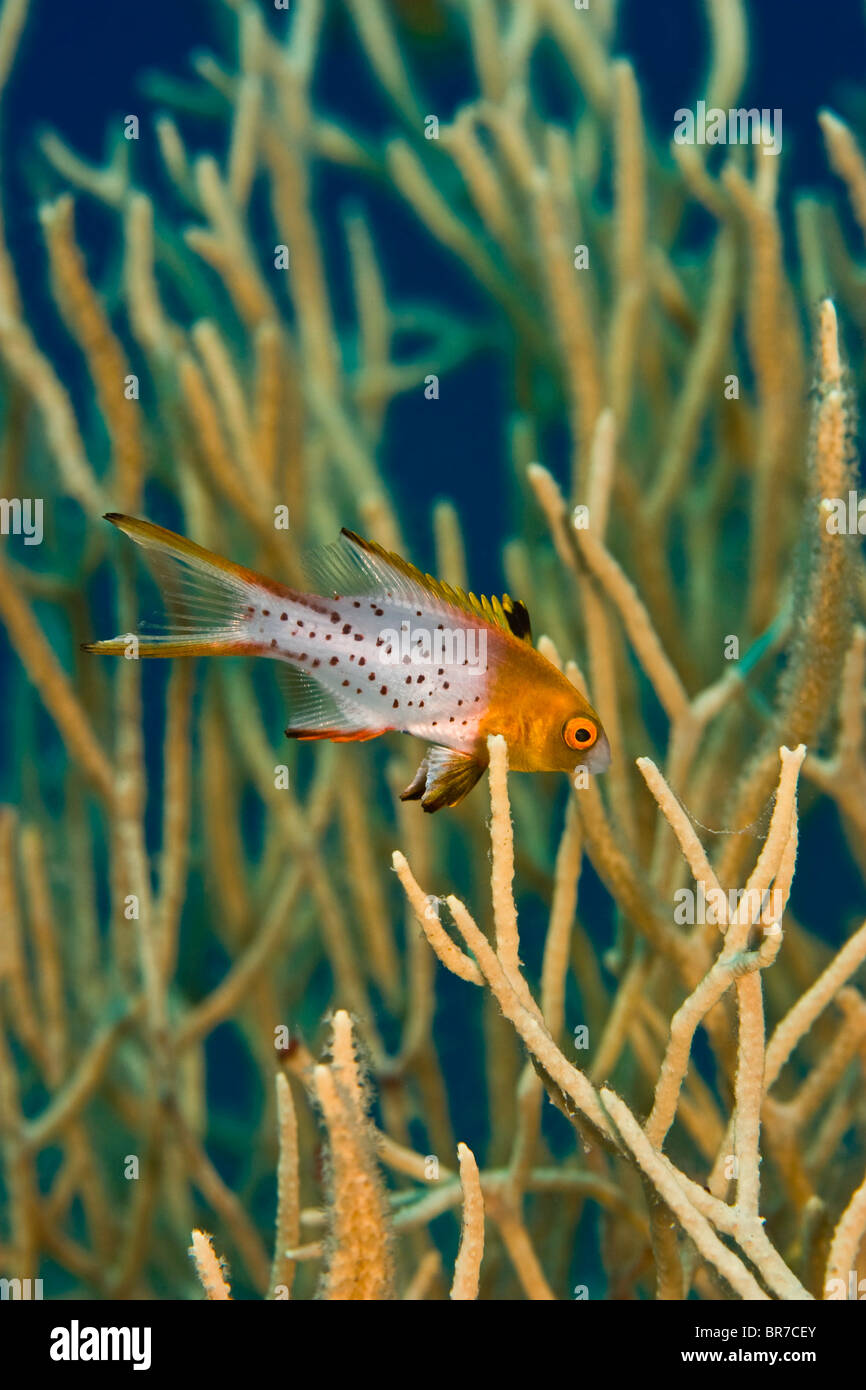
(598, 757)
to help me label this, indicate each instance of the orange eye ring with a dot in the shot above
(580, 733)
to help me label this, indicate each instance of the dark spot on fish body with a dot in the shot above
(396, 704)
(359, 636)
(273, 641)
(284, 617)
(345, 682)
(347, 627)
(372, 676)
(362, 661)
(355, 603)
(334, 661)
(380, 612)
(316, 662)
(266, 612)
(335, 617)
(383, 690)
(446, 685)
(420, 680)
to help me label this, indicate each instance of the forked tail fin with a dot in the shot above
(209, 600)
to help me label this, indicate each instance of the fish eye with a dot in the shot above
(579, 733)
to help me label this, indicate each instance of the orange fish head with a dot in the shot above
(548, 724)
(575, 739)
(592, 747)
(562, 733)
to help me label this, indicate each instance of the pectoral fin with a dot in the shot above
(443, 779)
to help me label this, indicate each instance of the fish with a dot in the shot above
(379, 647)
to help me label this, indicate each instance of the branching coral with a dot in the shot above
(184, 899)
(737, 967)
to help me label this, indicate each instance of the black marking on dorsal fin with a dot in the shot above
(517, 617)
(396, 573)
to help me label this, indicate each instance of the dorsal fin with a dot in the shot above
(356, 565)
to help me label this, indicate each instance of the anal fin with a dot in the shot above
(444, 778)
(316, 713)
(335, 735)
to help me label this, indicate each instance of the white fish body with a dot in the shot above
(379, 647)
